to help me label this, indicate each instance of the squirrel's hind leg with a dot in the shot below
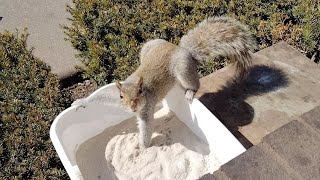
(185, 71)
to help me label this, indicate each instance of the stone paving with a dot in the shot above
(43, 19)
(290, 152)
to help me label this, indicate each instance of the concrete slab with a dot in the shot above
(207, 177)
(253, 164)
(217, 175)
(312, 118)
(43, 19)
(282, 84)
(299, 146)
(290, 152)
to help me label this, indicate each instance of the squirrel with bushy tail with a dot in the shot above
(163, 65)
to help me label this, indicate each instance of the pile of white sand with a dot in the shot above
(175, 153)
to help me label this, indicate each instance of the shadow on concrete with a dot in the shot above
(228, 104)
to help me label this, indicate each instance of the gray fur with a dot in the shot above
(221, 36)
(148, 45)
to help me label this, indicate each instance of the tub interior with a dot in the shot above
(167, 131)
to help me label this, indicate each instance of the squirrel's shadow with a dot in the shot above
(228, 104)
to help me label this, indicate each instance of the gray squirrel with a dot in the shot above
(163, 64)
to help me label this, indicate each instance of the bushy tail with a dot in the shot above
(221, 36)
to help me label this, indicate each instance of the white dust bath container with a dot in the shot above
(74, 126)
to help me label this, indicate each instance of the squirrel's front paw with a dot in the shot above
(189, 95)
(142, 147)
(144, 142)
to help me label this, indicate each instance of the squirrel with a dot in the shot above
(164, 64)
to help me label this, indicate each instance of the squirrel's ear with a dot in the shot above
(140, 81)
(118, 84)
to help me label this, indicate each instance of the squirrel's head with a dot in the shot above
(132, 95)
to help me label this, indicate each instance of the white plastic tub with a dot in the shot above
(74, 126)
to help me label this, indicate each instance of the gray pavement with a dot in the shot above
(43, 19)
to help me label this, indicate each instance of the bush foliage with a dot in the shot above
(109, 34)
(29, 100)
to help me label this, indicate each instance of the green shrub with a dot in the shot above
(29, 100)
(109, 33)
(295, 21)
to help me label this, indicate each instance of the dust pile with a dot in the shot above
(175, 153)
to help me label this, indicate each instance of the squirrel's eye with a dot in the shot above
(140, 91)
(121, 96)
